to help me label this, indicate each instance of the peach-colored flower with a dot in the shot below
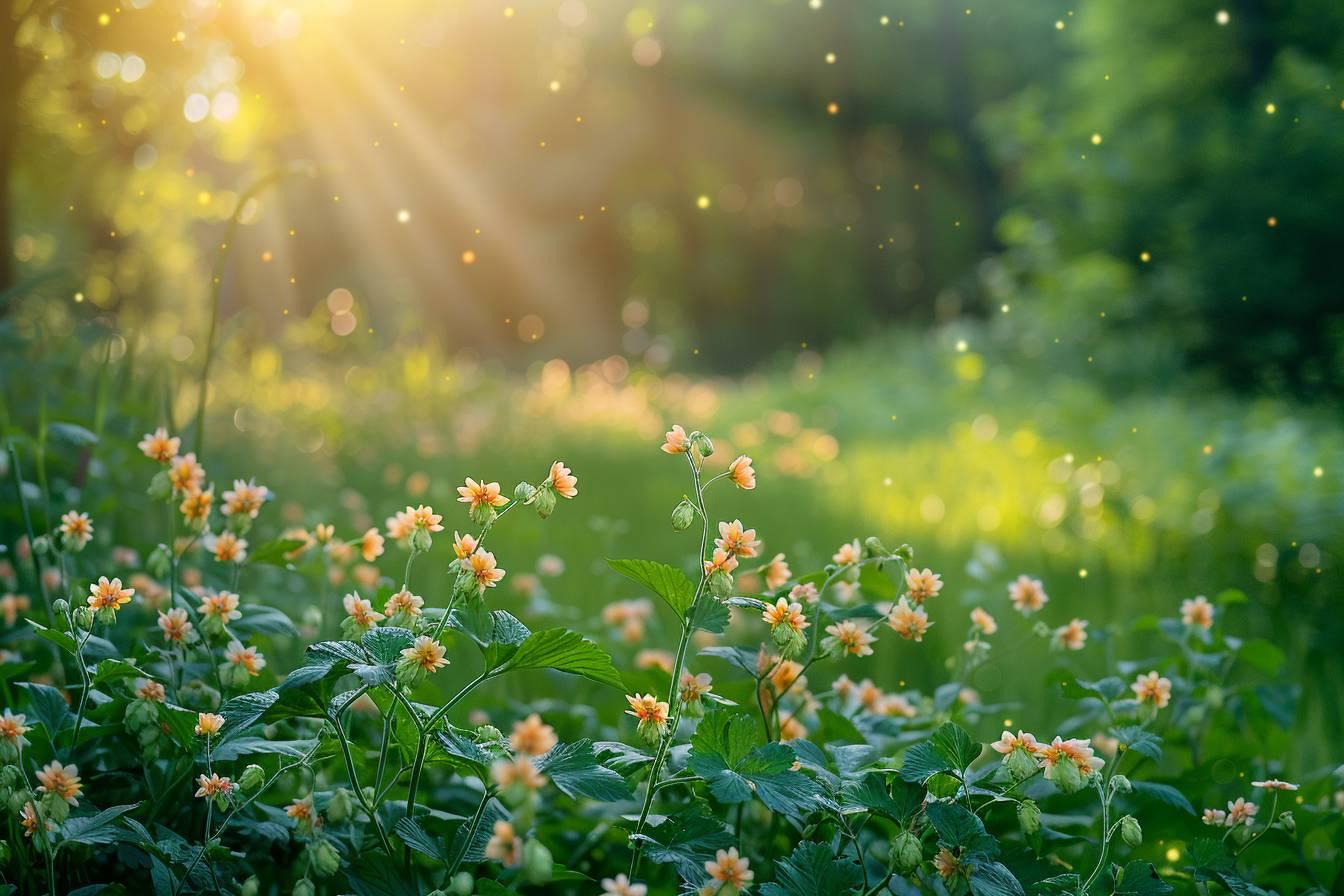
(426, 653)
(520, 772)
(325, 532)
(221, 604)
(424, 517)
(208, 723)
(1274, 784)
(869, 694)
(777, 572)
(909, 622)
(647, 708)
(400, 525)
(1241, 812)
(159, 446)
(735, 540)
(302, 810)
(791, 728)
(213, 785)
(504, 845)
(1072, 636)
(76, 529)
(185, 475)
(1027, 595)
(361, 611)
(852, 637)
(1152, 688)
(848, 553)
(741, 473)
(565, 483)
(28, 818)
(246, 658)
(109, 595)
(404, 602)
(13, 728)
(983, 622)
(654, 659)
(1023, 740)
(622, 611)
(620, 885)
(947, 864)
(226, 546)
(1197, 611)
(532, 736)
(695, 687)
(464, 545)
(151, 691)
(371, 545)
(1215, 817)
(922, 584)
(785, 613)
(785, 675)
(728, 868)
(244, 498)
(676, 441)
(481, 565)
(61, 780)
(843, 687)
(806, 593)
(196, 505)
(1077, 751)
(895, 705)
(481, 493)
(722, 561)
(175, 626)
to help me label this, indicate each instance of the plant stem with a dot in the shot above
(471, 830)
(344, 741)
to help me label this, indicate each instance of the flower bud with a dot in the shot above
(788, 641)
(462, 884)
(252, 777)
(1130, 832)
(421, 541)
(683, 515)
(701, 443)
(1120, 784)
(60, 606)
(721, 584)
(1029, 818)
(340, 806)
(158, 561)
(651, 731)
(141, 713)
(160, 487)
(83, 617)
(324, 858)
(1019, 763)
(537, 862)
(232, 675)
(1067, 776)
(906, 853)
(106, 615)
(875, 548)
(42, 545)
(545, 502)
(482, 514)
(409, 673)
(303, 888)
(1287, 821)
(239, 523)
(524, 492)
(369, 795)
(53, 808)
(905, 554)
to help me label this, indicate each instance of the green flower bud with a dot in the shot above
(409, 673)
(545, 502)
(304, 888)
(106, 616)
(905, 554)
(537, 862)
(651, 731)
(875, 548)
(60, 606)
(252, 777)
(906, 853)
(232, 675)
(683, 515)
(701, 443)
(251, 886)
(83, 617)
(524, 492)
(142, 714)
(421, 541)
(1019, 764)
(160, 487)
(1130, 832)
(42, 545)
(1120, 784)
(11, 779)
(788, 640)
(1066, 776)
(462, 884)
(369, 795)
(53, 808)
(1029, 818)
(340, 806)
(482, 514)
(721, 584)
(1287, 821)
(323, 858)
(158, 561)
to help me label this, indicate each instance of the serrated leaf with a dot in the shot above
(47, 705)
(463, 752)
(1141, 879)
(954, 744)
(623, 758)
(420, 840)
(251, 746)
(686, 840)
(180, 724)
(242, 712)
(921, 762)
(958, 828)
(1105, 689)
(1139, 740)
(724, 753)
(262, 620)
(812, 869)
(900, 802)
(94, 829)
(469, 842)
(1059, 885)
(668, 582)
(573, 768)
(993, 879)
(56, 636)
(497, 633)
(711, 615)
(274, 553)
(564, 651)
(115, 670)
(321, 660)
(739, 656)
(1163, 793)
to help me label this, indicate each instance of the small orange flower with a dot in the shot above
(196, 505)
(1021, 741)
(922, 584)
(175, 626)
(404, 602)
(909, 622)
(244, 498)
(302, 810)
(213, 786)
(947, 864)
(12, 728)
(424, 517)
(504, 845)
(983, 622)
(185, 474)
(481, 493)
(464, 545)
(785, 613)
(109, 595)
(1241, 812)
(1274, 784)
(1072, 636)
(1197, 611)
(741, 473)
(226, 546)
(852, 637)
(29, 819)
(425, 653)
(400, 525)
(520, 772)
(159, 446)
(730, 869)
(360, 610)
(1077, 751)
(695, 687)
(777, 572)
(371, 545)
(481, 565)
(151, 691)
(647, 708)
(722, 562)
(737, 541)
(246, 658)
(848, 553)
(676, 441)
(76, 529)
(562, 480)
(223, 604)
(1027, 595)
(1152, 688)
(208, 723)
(61, 780)
(787, 674)
(532, 736)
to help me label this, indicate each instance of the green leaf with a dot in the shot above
(47, 705)
(263, 621)
(958, 828)
(1059, 885)
(251, 746)
(1163, 793)
(473, 849)
(564, 651)
(463, 752)
(322, 660)
(1139, 740)
(420, 840)
(498, 634)
(1263, 656)
(812, 869)
(180, 724)
(724, 753)
(574, 769)
(1141, 879)
(668, 582)
(954, 744)
(273, 553)
(900, 803)
(686, 840)
(93, 829)
(115, 670)
(384, 645)
(738, 656)
(993, 879)
(1105, 689)
(71, 434)
(57, 637)
(711, 615)
(242, 712)
(620, 757)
